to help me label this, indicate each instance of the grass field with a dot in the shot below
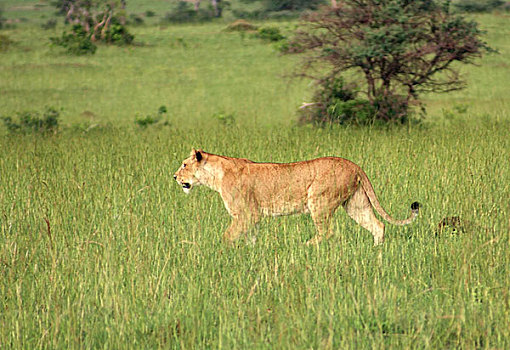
(99, 248)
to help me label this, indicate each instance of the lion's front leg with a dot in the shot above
(323, 226)
(245, 215)
(240, 225)
(321, 212)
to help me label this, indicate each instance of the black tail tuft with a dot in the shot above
(415, 206)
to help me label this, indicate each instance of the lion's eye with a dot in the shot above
(184, 165)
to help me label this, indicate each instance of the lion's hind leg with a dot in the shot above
(358, 207)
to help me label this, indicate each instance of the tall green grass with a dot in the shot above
(99, 247)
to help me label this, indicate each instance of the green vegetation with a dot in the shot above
(270, 34)
(151, 119)
(76, 42)
(100, 248)
(92, 21)
(480, 5)
(28, 122)
(5, 42)
(392, 51)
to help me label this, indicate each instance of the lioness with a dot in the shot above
(316, 187)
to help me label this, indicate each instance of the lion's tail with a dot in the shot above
(369, 190)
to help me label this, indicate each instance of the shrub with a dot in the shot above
(278, 9)
(136, 19)
(184, 12)
(77, 42)
(50, 24)
(29, 122)
(227, 119)
(254, 14)
(5, 42)
(146, 121)
(151, 119)
(93, 21)
(2, 19)
(96, 19)
(282, 15)
(292, 5)
(241, 26)
(473, 6)
(335, 102)
(150, 13)
(118, 34)
(270, 34)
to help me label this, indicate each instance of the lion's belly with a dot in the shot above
(284, 196)
(281, 209)
(280, 203)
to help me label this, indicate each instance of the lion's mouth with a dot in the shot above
(186, 185)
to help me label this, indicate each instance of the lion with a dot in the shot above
(317, 187)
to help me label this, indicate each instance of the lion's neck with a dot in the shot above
(212, 172)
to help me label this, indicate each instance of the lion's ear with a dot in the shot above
(198, 155)
(192, 153)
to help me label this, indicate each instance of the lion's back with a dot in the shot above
(285, 188)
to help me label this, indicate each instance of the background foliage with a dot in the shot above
(390, 52)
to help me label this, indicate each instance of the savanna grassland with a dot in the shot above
(100, 248)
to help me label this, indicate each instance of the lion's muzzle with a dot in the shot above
(186, 186)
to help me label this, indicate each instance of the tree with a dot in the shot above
(397, 49)
(96, 18)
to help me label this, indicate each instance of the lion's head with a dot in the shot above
(186, 174)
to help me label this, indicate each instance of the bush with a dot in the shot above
(50, 24)
(270, 34)
(254, 14)
(118, 34)
(241, 26)
(2, 19)
(282, 15)
(136, 19)
(336, 102)
(184, 12)
(146, 121)
(30, 122)
(150, 119)
(227, 119)
(292, 5)
(77, 42)
(5, 42)
(473, 6)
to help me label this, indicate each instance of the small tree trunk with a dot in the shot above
(84, 21)
(70, 13)
(121, 16)
(371, 91)
(106, 25)
(216, 7)
(96, 28)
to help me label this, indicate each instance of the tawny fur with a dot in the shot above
(317, 187)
